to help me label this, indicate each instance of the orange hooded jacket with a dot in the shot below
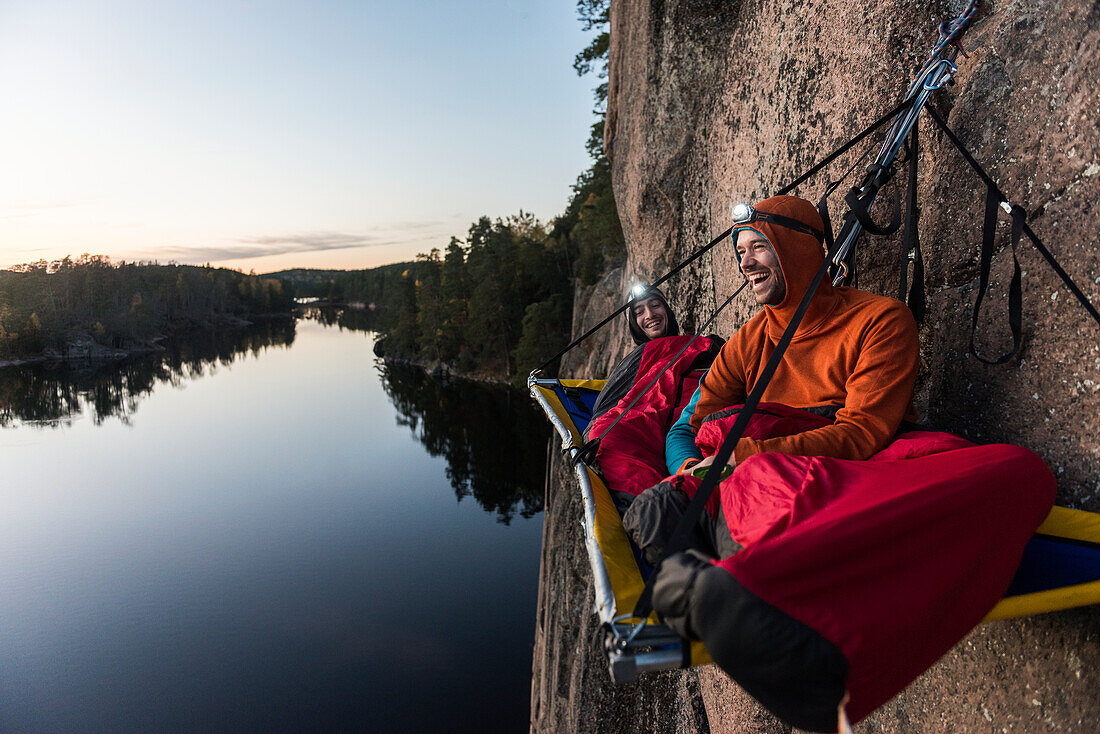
(853, 349)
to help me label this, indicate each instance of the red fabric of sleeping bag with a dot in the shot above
(893, 559)
(632, 454)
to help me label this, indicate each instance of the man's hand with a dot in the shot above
(699, 469)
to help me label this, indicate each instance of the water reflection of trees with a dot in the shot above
(345, 317)
(493, 438)
(56, 395)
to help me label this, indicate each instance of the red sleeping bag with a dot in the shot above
(632, 455)
(892, 560)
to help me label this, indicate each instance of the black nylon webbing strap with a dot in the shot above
(846, 147)
(584, 336)
(910, 224)
(1015, 302)
(859, 211)
(698, 503)
(823, 212)
(1081, 297)
(910, 242)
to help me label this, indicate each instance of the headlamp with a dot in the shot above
(639, 290)
(746, 214)
(742, 213)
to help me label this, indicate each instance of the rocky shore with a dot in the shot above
(83, 350)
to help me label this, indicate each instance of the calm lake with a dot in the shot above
(266, 531)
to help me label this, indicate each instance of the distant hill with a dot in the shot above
(306, 276)
(366, 284)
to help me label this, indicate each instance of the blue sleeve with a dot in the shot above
(680, 441)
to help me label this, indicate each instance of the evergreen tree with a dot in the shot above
(429, 306)
(456, 296)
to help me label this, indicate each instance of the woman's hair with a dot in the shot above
(636, 332)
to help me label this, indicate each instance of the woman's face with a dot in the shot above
(651, 316)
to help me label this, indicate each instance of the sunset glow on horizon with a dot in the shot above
(265, 136)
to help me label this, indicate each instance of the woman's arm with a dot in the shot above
(680, 441)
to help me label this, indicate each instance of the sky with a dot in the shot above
(276, 134)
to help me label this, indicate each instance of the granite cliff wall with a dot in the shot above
(714, 102)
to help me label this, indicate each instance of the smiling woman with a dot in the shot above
(650, 316)
(649, 319)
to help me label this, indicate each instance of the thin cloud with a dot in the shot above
(310, 242)
(20, 209)
(253, 247)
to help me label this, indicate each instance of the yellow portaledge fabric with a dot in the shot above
(1074, 524)
(1062, 522)
(595, 385)
(1065, 597)
(618, 557)
(622, 569)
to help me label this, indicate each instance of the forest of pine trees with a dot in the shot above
(48, 305)
(493, 304)
(497, 303)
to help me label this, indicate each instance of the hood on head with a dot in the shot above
(800, 255)
(636, 332)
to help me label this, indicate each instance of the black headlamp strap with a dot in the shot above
(788, 222)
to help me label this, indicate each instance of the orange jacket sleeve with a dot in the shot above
(877, 391)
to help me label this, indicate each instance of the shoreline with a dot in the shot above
(440, 370)
(83, 349)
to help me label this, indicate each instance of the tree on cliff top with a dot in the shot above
(595, 14)
(590, 224)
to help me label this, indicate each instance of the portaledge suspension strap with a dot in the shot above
(1015, 301)
(695, 256)
(993, 189)
(910, 241)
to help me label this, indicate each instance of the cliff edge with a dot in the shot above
(714, 102)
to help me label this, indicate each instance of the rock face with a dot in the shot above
(713, 102)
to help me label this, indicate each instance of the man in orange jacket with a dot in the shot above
(853, 360)
(853, 357)
(855, 576)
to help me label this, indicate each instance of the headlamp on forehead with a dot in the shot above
(742, 213)
(747, 214)
(639, 290)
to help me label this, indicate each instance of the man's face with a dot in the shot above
(651, 317)
(760, 265)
